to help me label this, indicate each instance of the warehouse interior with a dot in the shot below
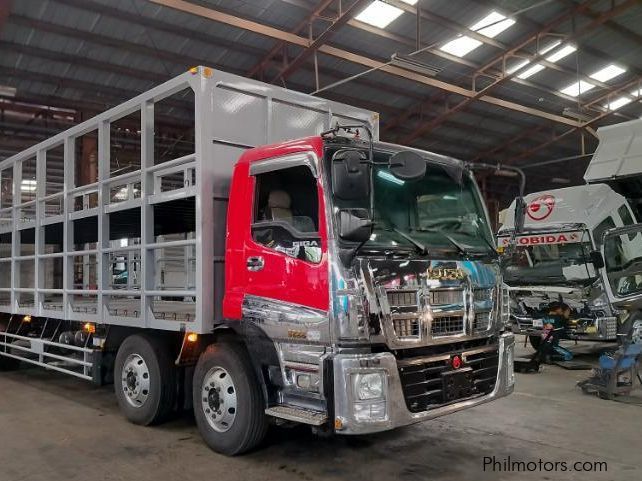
(522, 86)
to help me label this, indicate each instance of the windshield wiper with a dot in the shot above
(462, 250)
(420, 247)
(492, 249)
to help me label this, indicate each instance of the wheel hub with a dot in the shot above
(219, 399)
(135, 380)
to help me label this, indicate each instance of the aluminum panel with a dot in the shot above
(238, 116)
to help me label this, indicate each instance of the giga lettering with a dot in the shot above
(543, 239)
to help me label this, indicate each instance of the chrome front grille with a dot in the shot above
(445, 296)
(481, 322)
(406, 328)
(404, 311)
(410, 309)
(447, 325)
(482, 295)
(402, 298)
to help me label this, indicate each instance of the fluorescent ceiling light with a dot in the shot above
(379, 14)
(608, 73)
(535, 68)
(7, 91)
(410, 2)
(617, 103)
(460, 46)
(490, 26)
(565, 51)
(577, 88)
(411, 63)
(529, 72)
(517, 66)
(28, 185)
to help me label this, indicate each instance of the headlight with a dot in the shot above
(599, 302)
(505, 307)
(369, 386)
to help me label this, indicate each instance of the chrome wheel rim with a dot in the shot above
(135, 380)
(218, 399)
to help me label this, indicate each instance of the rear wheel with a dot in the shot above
(145, 380)
(228, 402)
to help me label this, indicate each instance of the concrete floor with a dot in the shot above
(54, 428)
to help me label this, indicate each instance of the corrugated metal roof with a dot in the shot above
(90, 58)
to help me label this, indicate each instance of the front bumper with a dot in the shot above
(396, 411)
(601, 328)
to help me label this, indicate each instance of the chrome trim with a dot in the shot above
(442, 357)
(278, 319)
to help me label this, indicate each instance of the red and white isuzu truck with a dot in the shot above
(271, 258)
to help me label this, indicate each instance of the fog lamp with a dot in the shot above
(370, 411)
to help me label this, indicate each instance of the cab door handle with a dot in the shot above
(255, 263)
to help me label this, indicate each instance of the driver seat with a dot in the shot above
(278, 208)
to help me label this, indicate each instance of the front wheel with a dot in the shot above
(228, 401)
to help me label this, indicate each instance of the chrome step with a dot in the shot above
(291, 413)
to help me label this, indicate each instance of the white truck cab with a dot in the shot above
(552, 258)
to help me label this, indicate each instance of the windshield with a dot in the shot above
(551, 263)
(436, 212)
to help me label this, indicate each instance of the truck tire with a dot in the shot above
(7, 363)
(145, 380)
(535, 342)
(228, 401)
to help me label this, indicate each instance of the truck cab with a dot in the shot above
(552, 261)
(371, 269)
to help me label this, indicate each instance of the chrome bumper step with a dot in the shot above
(291, 413)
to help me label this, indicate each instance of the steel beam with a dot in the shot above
(261, 64)
(320, 40)
(412, 43)
(617, 10)
(622, 88)
(107, 10)
(613, 27)
(348, 56)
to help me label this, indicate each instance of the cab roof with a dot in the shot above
(568, 207)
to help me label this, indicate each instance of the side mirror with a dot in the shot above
(520, 214)
(350, 175)
(596, 259)
(355, 225)
(407, 165)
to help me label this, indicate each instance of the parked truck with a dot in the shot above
(553, 259)
(617, 163)
(269, 260)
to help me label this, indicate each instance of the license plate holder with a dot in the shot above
(538, 323)
(457, 384)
